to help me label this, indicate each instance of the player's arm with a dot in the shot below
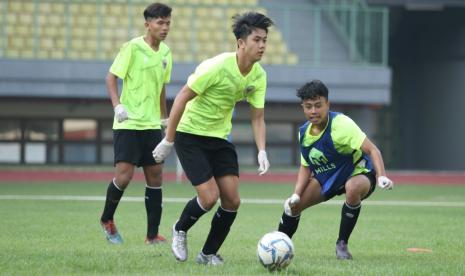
(376, 158)
(303, 179)
(163, 113)
(163, 109)
(259, 132)
(258, 127)
(112, 88)
(163, 149)
(185, 95)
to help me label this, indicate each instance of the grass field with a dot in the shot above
(61, 235)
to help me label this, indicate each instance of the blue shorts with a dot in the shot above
(334, 191)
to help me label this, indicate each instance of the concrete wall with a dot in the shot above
(428, 61)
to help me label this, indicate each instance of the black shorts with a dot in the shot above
(342, 190)
(205, 157)
(135, 146)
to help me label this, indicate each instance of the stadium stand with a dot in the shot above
(94, 30)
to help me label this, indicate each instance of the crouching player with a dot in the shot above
(336, 158)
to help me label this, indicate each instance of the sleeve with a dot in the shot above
(169, 67)
(204, 76)
(122, 61)
(257, 98)
(347, 135)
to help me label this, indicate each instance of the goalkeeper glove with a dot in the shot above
(162, 150)
(263, 163)
(385, 183)
(120, 113)
(291, 202)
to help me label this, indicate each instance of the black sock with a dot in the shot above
(153, 206)
(288, 225)
(114, 195)
(349, 216)
(221, 224)
(191, 213)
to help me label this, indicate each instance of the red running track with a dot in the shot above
(399, 177)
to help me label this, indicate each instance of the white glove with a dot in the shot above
(263, 163)
(385, 183)
(291, 202)
(162, 150)
(120, 113)
(164, 122)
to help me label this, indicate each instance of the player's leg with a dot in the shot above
(223, 160)
(123, 175)
(197, 169)
(207, 196)
(126, 155)
(224, 217)
(153, 202)
(357, 188)
(153, 189)
(310, 196)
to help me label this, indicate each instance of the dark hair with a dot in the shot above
(312, 90)
(245, 23)
(157, 10)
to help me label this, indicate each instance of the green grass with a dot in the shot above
(50, 237)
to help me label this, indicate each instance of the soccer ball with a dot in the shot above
(275, 250)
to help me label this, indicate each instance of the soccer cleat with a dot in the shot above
(111, 233)
(158, 239)
(179, 245)
(211, 259)
(342, 251)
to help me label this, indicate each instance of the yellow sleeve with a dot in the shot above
(346, 134)
(122, 61)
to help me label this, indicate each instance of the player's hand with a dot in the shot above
(164, 122)
(385, 183)
(291, 202)
(120, 113)
(162, 150)
(263, 163)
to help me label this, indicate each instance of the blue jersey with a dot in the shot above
(331, 168)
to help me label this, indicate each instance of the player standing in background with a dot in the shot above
(200, 121)
(336, 157)
(144, 64)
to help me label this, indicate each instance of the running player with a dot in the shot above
(200, 121)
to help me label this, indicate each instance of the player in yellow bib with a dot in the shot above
(200, 121)
(144, 64)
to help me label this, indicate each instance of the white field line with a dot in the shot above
(243, 200)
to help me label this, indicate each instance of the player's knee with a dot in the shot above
(231, 204)
(208, 200)
(122, 180)
(155, 181)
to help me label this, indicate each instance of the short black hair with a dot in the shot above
(313, 90)
(246, 22)
(157, 10)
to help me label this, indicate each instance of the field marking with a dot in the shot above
(243, 200)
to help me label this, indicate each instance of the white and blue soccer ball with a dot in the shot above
(275, 250)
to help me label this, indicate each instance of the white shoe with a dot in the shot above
(179, 245)
(211, 259)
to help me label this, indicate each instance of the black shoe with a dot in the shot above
(342, 251)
